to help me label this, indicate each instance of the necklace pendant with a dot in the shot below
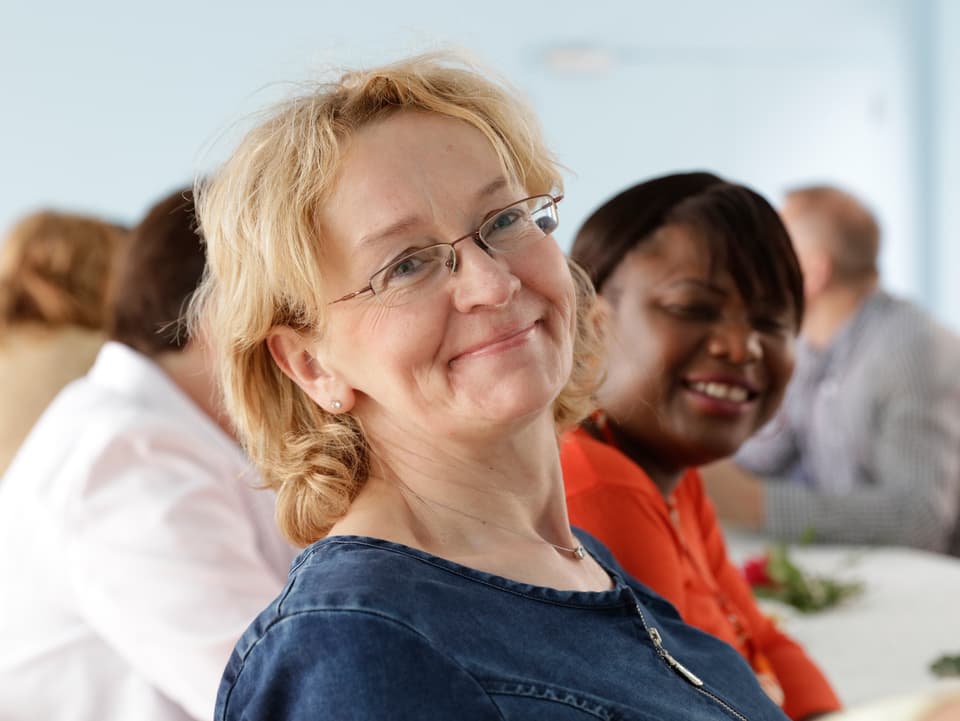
(579, 553)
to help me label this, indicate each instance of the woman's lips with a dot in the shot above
(498, 342)
(722, 396)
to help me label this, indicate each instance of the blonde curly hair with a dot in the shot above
(259, 213)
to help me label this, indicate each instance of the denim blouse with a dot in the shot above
(372, 630)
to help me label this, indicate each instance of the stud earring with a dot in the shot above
(337, 405)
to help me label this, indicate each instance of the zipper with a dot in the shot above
(681, 670)
(727, 706)
(671, 661)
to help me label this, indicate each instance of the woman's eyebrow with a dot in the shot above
(399, 227)
(493, 187)
(407, 223)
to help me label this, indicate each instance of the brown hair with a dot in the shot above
(156, 276)
(744, 233)
(55, 268)
(259, 215)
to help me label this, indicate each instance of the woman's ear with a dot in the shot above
(295, 355)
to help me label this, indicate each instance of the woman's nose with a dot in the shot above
(737, 342)
(482, 279)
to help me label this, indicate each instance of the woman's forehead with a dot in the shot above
(675, 248)
(414, 147)
(410, 166)
(684, 256)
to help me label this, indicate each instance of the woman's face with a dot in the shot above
(692, 371)
(486, 347)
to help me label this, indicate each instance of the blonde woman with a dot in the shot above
(400, 339)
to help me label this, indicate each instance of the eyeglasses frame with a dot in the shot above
(475, 236)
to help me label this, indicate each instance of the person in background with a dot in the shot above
(54, 270)
(703, 297)
(134, 547)
(401, 337)
(866, 448)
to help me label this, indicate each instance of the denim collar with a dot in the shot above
(610, 598)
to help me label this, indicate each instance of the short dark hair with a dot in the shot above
(743, 231)
(156, 276)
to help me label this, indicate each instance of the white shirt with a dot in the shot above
(134, 551)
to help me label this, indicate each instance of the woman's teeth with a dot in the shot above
(721, 391)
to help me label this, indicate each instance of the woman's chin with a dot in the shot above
(707, 448)
(509, 392)
(507, 407)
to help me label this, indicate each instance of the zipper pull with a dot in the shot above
(689, 675)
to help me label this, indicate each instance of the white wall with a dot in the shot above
(947, 163)
(106, 105)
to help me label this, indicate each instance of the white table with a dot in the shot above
(881, 643)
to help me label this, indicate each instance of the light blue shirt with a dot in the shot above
(866, 448)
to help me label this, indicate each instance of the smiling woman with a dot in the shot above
(704, 297)
(401, 340)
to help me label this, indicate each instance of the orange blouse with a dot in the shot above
(675, 546)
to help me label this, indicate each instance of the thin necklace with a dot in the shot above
(578, 552)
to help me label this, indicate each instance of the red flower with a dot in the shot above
(755, 571)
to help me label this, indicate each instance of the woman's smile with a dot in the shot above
(720, 394)
(716, 398)
(499, 342)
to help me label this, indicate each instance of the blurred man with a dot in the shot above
(866, 448)
(134, 548)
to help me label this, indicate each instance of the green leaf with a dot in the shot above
(946, 666)
(795, 587)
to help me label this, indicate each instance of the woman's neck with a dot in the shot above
(665, 476)
(499, 508)
(514, 480)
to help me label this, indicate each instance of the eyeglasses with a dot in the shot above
(505, 230)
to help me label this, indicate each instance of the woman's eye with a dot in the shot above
(546, 224)
(506, 227)
(504, 220)
(405, 269)
(693, 311)
(768, 324)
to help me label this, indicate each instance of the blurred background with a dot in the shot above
(107, 104)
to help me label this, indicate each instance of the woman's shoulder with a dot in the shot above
(350, 572)
(330, 582)
(329, 653)
(367, 575)
(334, 578)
